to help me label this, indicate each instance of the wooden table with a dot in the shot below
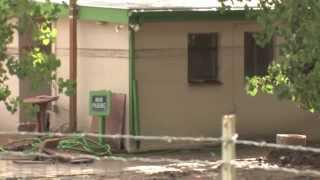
(42, 101)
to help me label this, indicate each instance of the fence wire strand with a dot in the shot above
(278, 146)
(168, 139)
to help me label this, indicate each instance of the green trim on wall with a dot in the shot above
(104, 14)
(99, 14)
(161, 16)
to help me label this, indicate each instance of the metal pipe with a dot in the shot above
(133, 94)
(131, 80)
(73, 63)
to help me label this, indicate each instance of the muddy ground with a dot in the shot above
(248, 159)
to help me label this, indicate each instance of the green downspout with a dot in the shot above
(134, 110)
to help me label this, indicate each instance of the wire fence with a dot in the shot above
(226, 163)
(170, 139)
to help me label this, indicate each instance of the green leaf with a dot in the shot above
(46, 42)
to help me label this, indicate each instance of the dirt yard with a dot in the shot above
(249, 159)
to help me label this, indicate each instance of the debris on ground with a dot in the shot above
(22, 144)
(62, 149)
(294, 158)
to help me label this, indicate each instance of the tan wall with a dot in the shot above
(170, 106)
(265, 114)
(9, 121)
(102, 64)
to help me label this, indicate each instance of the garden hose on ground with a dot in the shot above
(84, 145)
(75, 143)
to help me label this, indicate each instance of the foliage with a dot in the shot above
(295, 73)
(36, 63)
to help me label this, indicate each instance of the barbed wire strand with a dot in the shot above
(117, 136)
(170, 139)
(277, 146)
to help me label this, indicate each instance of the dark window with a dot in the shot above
(202, 58)
(256, 58)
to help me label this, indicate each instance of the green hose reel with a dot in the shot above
(100, 106)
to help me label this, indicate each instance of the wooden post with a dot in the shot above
(73, 64)
(228, 147)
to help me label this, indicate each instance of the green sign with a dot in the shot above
(100, 103)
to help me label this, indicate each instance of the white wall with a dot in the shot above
(102, 64)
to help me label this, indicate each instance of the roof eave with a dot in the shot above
(126, 16)
(138, 16)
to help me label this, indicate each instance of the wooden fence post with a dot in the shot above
(228, 147)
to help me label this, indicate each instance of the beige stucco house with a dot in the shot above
(182, 65)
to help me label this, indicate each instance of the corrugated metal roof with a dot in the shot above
(159, 4)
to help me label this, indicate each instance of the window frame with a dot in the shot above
(214, 54)
(251, 62)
